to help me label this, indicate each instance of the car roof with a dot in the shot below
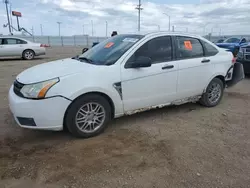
(155, 33)
(3, 37)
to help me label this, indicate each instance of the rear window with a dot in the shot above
(210, 50)
(19, 41)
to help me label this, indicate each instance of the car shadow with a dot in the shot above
(17, 59)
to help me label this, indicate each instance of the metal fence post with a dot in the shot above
(48, 40)
(62, 40)
(87, 40)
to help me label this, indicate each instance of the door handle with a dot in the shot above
(168, 67)
(205, 61)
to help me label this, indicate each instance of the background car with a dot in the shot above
(244, 57)
(232, 44)
(13, 46)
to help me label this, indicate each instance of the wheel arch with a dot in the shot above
(220, 76)
(110, 101)
(28, 49)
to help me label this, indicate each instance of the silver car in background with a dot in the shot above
(14, 46)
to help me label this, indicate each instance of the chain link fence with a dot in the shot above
(83, 40)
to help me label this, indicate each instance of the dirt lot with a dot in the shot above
(182, 146)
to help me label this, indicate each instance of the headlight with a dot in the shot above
(38, 90)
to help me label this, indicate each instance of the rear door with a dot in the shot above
(194, 68)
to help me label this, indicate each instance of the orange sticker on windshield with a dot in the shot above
(109, 45)
(188, 45)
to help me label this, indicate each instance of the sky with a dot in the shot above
(225, 17)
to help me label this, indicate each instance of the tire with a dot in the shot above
(28, 54)
(87, 121)
(206, 99)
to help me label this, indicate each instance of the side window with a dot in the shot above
(189, 48)
(158, 49)
(1, 41)
(21, 41)
(9, 41)
(210, 50)
(233, 40)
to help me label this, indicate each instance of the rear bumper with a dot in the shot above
(238, 74)
(40, 51)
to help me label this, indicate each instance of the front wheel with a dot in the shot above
(88, 116)
(213, 94)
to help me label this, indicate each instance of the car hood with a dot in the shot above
(245, 45)
(225, 44)
(52, 70)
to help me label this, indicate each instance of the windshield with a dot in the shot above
(109, 51)
(232, 40)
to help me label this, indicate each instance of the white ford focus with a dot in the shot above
(121, 75)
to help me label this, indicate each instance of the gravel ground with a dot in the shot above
(179, 146)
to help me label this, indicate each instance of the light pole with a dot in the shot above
(59, 28)
(139, 15)
(106, 29)
(205, 28)
(8, 16)
(92, 26)
(168, 21)
(159, 28)
(41, 27)
(32, 30)
(11, 16)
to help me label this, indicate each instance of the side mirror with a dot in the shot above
(84, 50)
(141, 61)
(243, 41)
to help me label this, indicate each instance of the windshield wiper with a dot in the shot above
(85, 59)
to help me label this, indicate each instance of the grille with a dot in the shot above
(17, 88)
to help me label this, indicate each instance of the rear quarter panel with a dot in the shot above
(221, 64)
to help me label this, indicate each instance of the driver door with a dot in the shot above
(154, 85)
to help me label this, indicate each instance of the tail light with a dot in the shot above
(44, 45)
(234, 60)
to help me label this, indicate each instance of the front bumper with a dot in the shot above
(45, 114)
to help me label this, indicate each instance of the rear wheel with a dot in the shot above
(88, 116)
(28, 54)
(213, 94)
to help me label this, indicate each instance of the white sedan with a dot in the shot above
(13, 46)
(119, 76)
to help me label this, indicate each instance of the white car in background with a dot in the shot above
(14, 46)
(122, 75)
